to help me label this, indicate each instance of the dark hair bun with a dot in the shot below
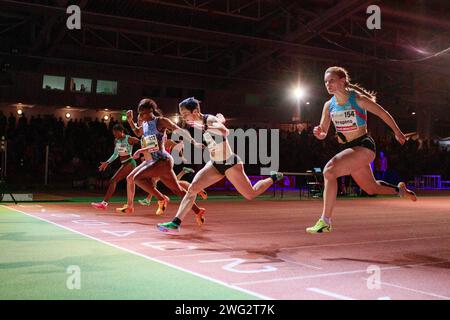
(190, 103)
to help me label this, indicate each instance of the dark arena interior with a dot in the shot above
(310, 182)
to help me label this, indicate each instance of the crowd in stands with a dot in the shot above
(77, 146)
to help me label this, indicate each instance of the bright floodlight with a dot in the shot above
(298, 93)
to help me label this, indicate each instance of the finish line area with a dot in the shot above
(379, 249)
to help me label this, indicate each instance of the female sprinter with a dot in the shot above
(161, 164)
(123, 149)
(170, 146)
(146, 156)
(224, 163)
(184, 184)
(348, 110)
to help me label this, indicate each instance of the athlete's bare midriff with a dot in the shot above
(353, 135)
(123, 158)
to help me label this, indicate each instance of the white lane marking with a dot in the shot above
(167, 245)
(90, 223)
(65, 215)
(231, 286)
(329, 294)
(119, 234)
(237, 261)
(410, 289)
(331, 274)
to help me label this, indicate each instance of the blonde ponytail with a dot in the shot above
(363, 92)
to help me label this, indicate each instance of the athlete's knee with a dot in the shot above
(184, 184)
(329, 172)
(193, 189)
(130, 178)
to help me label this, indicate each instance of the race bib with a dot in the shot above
(345, 121)
(209, 140)
(122, 148)
(151, 142)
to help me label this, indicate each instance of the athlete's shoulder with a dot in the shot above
(162, 120)
(360, 97)
(362, 100)
(327, 104)
(131, 140)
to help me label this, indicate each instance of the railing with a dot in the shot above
(428, 181)
(312, 186)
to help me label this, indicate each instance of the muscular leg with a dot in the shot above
(123, 171)
(342, 164)
(239, 179)
(148, 187)
(185, 185)
(203, 179)
(365, 179)
(180, 174)
(170, 180)
(147, 178)
(154, 182)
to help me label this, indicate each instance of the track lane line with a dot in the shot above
(231, 286)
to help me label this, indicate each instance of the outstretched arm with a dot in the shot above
(133, 140)
(381, 113)
(113, 157)
(214, 125)
(168, 124)
(104, 165)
